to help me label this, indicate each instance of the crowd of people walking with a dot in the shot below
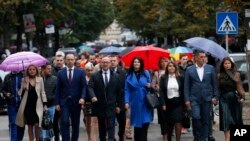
(109, 94)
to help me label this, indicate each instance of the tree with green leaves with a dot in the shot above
(160, 18)
(89, 17)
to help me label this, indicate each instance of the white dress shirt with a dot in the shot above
(173, 87)
(72, 72)
(200, 71)
(108, 74)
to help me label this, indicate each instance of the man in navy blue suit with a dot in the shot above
(200, 90)
(70, 94)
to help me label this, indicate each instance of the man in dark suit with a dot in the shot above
(70, 94)
(121, 117)
(104, 90)
(200, 90)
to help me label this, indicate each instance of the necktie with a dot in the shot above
(105, 79)
(70, 75)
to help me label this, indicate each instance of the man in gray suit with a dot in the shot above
(200, 90)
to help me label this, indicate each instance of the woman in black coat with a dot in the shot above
(171, 96)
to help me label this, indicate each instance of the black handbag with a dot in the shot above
(186, 119)
(152, 100)
(47, 121)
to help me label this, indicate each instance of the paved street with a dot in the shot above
(154, 131)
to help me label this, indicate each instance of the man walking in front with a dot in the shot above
(70, 94)
(200, 90)
(104, 90)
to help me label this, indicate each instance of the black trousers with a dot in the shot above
(106, 126)
(121, 119)
(56, 125)
(141, 133)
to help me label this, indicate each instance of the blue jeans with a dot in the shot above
(16, 133)
(46, 134)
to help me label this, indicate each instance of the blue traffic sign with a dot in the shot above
(227, 23)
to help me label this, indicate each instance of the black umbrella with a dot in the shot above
(125, 51)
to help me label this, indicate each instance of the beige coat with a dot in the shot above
(41, 97)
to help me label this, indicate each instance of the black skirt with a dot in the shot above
(30, 107)
(230, 111)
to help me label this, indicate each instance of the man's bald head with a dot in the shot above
(105, 63)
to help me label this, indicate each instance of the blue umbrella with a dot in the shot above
(110, 50)
(207, 46)
(180, 49)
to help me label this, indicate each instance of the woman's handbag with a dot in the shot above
(47, 121)
(186, 119)
(152, 100)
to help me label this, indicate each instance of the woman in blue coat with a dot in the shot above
(136, 86)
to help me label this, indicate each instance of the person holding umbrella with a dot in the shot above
(33, 102)
(11, 85)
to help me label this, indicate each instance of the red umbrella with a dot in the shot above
(149, 54)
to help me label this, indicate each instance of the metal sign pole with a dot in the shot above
(227, 42)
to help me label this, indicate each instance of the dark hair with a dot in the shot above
(233, 66)
(182, 55)
(131, 68)
(44, 66)
(197, 52)
(177, 73)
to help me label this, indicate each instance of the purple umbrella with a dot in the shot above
(21, 60)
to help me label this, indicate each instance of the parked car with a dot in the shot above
(241, 63)
(68, 50)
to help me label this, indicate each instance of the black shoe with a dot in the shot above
(211, 138)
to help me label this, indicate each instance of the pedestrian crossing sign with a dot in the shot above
(227, 23)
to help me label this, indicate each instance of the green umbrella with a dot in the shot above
(83, 48)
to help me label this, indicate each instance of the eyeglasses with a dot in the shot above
(89, 70)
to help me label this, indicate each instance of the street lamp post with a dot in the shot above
(247, 23)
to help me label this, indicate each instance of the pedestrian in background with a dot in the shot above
(50, 91)
(231, 96)
(162, 64)
(33, 102)
(104, 90)
(172, 99)
(90, 121)
(58, 65)
(11, 85)
(70, 94)
(200, 89)
(121, 117)
(137, 84)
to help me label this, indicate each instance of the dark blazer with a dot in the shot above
(108, 98)
(74, 90)
(197, 90)
(164, 92)
(122, 74)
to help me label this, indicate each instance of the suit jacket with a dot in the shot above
(197, 90)
(74, 90)
(122, 74)
(164, 91)
(108, 98)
